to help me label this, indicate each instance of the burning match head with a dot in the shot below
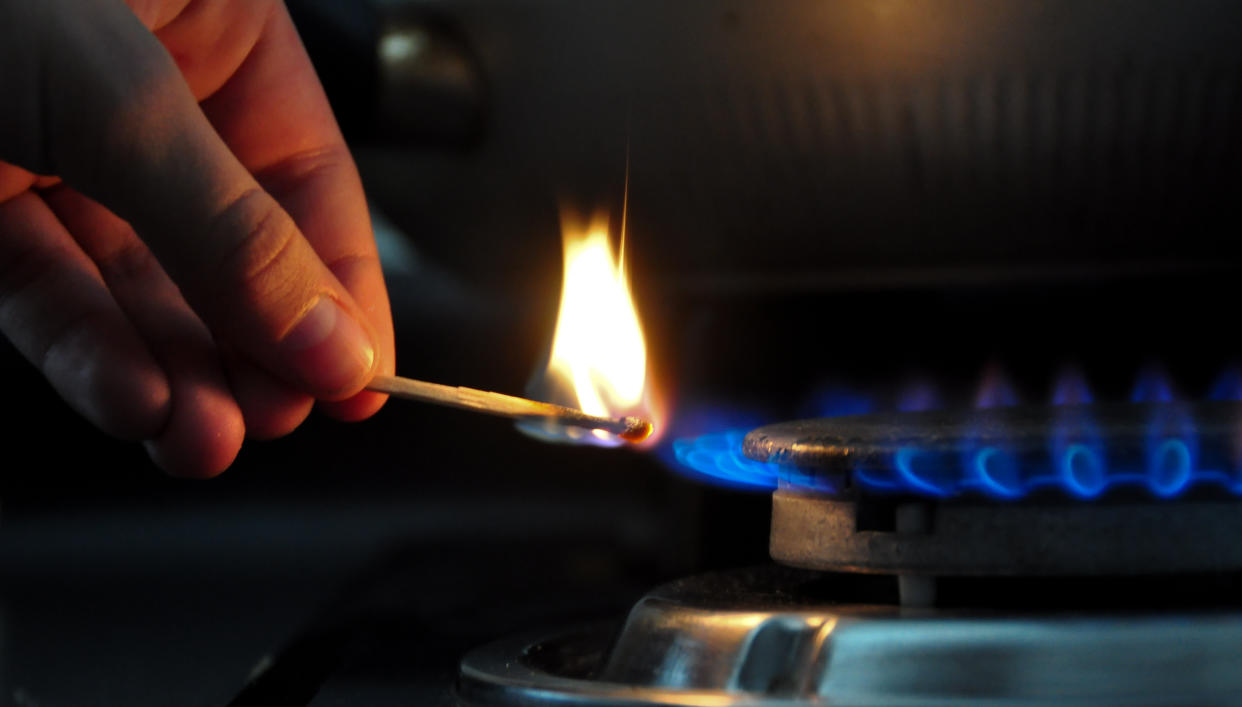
(636, 429)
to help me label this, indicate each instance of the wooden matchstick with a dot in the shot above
(631, 429)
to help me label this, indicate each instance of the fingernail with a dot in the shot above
(329, 350)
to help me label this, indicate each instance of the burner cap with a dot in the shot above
(1161, 449)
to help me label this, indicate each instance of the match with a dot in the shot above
(630, 429)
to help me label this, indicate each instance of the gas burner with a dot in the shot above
(1022, 555)
(1002, 491)
(1160, 450)
(775, 636)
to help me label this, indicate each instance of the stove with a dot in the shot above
(1076, 554)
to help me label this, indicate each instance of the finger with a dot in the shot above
(57, 311)
(125, 130)
(205, 427)
(14, 181)
(272, 408)
(274, 116)
(269, 408)
(328, 200)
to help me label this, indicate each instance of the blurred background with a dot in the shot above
(833, 207)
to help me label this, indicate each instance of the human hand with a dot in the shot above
(197, 265)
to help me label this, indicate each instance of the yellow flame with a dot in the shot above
(598, 350)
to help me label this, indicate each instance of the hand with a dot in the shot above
(200, 268)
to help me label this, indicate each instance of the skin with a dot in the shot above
(184, 242)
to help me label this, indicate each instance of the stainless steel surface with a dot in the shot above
(1011, 539)
(691, 644)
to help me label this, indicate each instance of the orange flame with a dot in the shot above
(598, 359)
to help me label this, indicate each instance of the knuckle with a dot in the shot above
(354, 262)
(133, 262)
(260, 246)
(304, 165)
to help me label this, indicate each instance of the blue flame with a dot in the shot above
(1170, 468)
(718, 457)
(1070, 388)
(1082, 471)
(1166, 461)
(995, 391)
(837, 401)
(1079, 470)
(918, 397)
(997, 472)
(707, 446)
(1228, 386)
(903, 461)
(1172, 451)
(1153, 386)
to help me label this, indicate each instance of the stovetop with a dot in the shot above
(774, 636)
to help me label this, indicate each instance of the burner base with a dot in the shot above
(758, 637)
(925, 538)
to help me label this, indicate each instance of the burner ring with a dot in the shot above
(1155, 450)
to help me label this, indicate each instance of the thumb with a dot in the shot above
(122, 126)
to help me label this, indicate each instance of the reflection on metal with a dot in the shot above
(401, 47)
(734, 641)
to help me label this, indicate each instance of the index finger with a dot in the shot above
(274, 116)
